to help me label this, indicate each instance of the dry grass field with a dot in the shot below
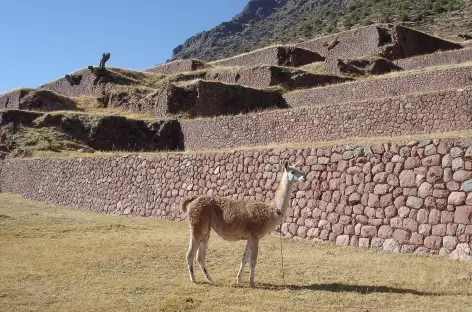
(59, 259)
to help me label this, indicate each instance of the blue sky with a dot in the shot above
(45, 39)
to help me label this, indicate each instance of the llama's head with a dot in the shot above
(294, 174)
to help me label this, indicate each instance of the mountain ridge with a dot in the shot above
(265, 22)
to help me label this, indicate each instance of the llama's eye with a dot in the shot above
(292, 172)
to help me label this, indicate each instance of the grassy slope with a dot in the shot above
(58, 259)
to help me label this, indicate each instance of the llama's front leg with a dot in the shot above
(243, 261)
(252, 265)
(201, 257)
(192, 250)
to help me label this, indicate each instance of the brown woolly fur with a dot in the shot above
(235, 220)
(185, 202)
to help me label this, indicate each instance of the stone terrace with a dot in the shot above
(177, 66)
(401, 198)
(436, 59)
(384, 86)
(413, 114)
(209, 98)
(275, 55)
(414, 197)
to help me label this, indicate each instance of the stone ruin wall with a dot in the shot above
(60, 86)
(413, 197)
(178, 66)
(269, 56)
(379, 87)
(414, 114)
(436, 59)
(84, 88)
(414, 42)
(10, 100)
(208, 98)
(353, 43)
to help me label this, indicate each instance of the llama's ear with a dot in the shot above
(286, 165)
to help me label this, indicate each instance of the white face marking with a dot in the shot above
(294, 174)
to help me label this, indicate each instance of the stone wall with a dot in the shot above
(178, 66)
(414, 42)
(414, 114)
(436, 59)
(386, 86)
(82, 87)
(266, 76)
(353, 43)
(209, 98)
(400, 198)
(274, 55)
(11, 100)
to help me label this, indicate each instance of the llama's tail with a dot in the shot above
(185, 201)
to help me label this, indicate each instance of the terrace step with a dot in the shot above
(389, 85)
(437, 111)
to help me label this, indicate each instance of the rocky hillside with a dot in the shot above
(263, 22)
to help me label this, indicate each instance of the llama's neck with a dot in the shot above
(282, 195)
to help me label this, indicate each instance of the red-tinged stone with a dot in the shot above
(379, 213)
(368, 231)
(434, 174)
(354, 199)
(462, 175)
(349, 229)
(369, 212)
(407, 178)
(439, 193)
(444, 147)
(433, 242)
(434, 216)
(424, 229)
(416, 239)
(438, 230)
(441, 203)
(452, 229)
(399, 201)
(464, 238)
(401, 236)
(375, 222)
(456, 152)
(462, 214)
(385, 231)
(412, 162)
(453, 186)
(456, 198)
(430, 161)
(337, 229)
(450, 242)
(373, 200)
(425, 190)
(390, 212)
(381, 189)
(386, 200)
(410, 224)
(447, 217)
(345, 220)
(422, 216)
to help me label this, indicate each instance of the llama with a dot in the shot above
(235, 220)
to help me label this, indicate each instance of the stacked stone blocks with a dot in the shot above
(413, 197)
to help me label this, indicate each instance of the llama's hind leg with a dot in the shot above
(254, 245)
(243, 261)
(201, 253)
(192, 250)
